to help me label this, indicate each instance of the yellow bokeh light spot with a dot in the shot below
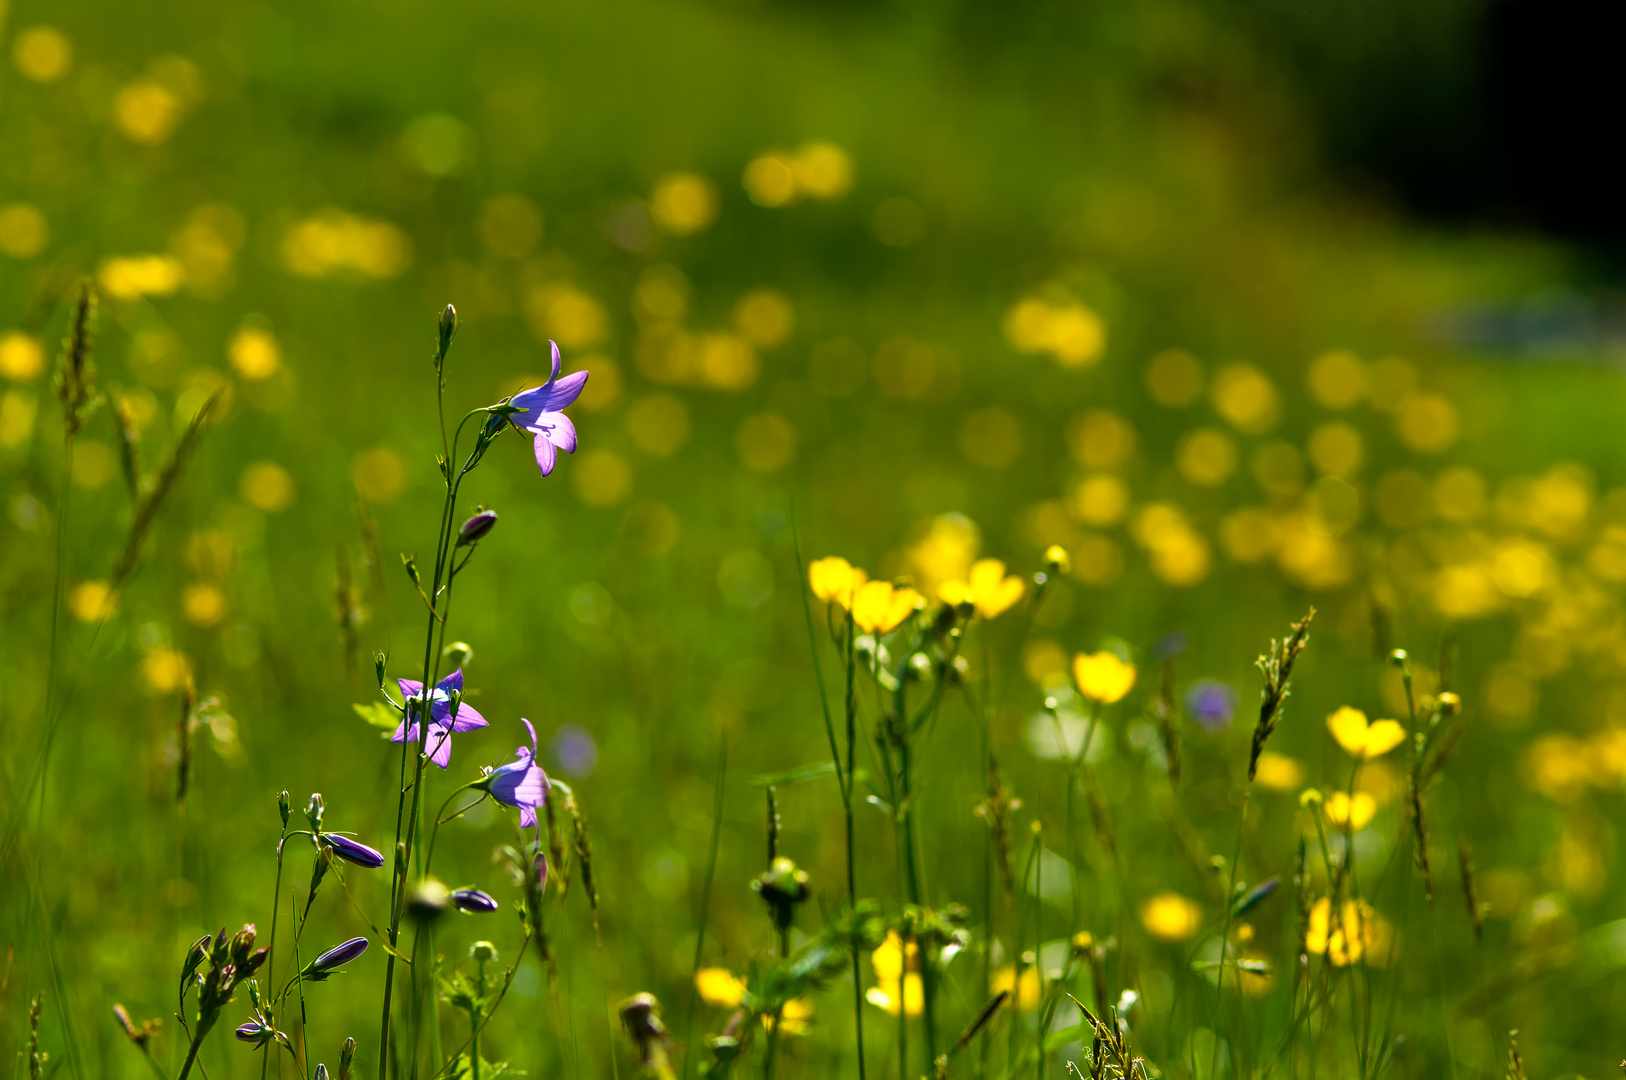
(1337, 449)
(1427, 422)
(206, 244)
(1278, 772)
(945, 551)
(1174, 378)
(823, 170)
(1356, 812)
(166, 670)
(1073, 334)
(658, 424)
(203, 604)
(146, 111)
(267, 486)
(605, 383)
(94, 463)
(22, 358)
(770, 180)
(1246, 398)
(601, 478)
(1459, 494)
(765, 442)
(379, 474)
(1337, 379)
(42, 54)
(1171, 917)
(1031, 991)
(1279, 468)
(1101, 500)
(1100, 439)
(683, 203)
(727, 361)
(1045, 662)
(719, 987)
(1206, 457)
(23, 230)
(91, 601)
(332, 241)
(1097, 560)
(1401, 498)
(904, 368)
(127, 277)
(254, 353)
(765, 317)
(1249, 535)
(17, 412)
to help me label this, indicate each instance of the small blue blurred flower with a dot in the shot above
(1211, 703)
(575, 750)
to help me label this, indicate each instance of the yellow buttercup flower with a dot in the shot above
(1361, 740)
(890, 959)
(1171, 917)
(1027, 998)
(1356, 812)
(1103, 677)
(1358, 933)
(835, 580)
(719, 986)
(878, 608)
(988, 589)
(885, 995)
(793, 1017)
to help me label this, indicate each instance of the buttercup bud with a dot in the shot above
(483, 952)
(1056, 559)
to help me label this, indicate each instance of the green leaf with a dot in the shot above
(379, 715)
(796, 776)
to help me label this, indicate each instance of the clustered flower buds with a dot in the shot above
(782, 887)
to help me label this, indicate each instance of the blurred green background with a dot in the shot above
(1185, 287)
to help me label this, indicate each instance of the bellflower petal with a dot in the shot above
(546, 454)
(440, 745)
(559, 430)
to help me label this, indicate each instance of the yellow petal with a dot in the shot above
(1171, 916)
(1357, 812)
(833, 579)
(903, 604)
(1348, 726)
(870, 605)
(1383, 737)
(954, 593)
(1102, 676)
(985, 576)
(999, 599)
(719, 986)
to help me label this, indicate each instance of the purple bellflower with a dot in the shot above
(542, 414)
(354, 851)
(521, 783)
(442, 722)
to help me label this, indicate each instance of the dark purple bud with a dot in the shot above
(539, 871)
(476, 527)
(473, 901)
(334, 958)
(256, 1032)
(353, 851)
(255, 961)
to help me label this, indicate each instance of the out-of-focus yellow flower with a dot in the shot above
(1357, 934)
(1206, 457)
(885, 995)
(822, 170)
(793, 1017)
(1336, 448)
(770, 180)
(254, 354)
(991, 437)
(1278, 772)
(93, 463)
(1389, 381)
(146, 111)
(126, 277)
(878, 608)
(1171, 917)
(334, 240)
(91, 601)
(1337, 379)
(1057, 559)
(1356, 812)
(42, 53)
(1249, 535)
(719, 986)
(835, 580)
(1360, 739)
(1103, 676)
(1174, 378)
(683, 203)
(166, 670)
(267, 486)
(378, 474)
(1179, 554)
(1032, 989)
(727, 361)
(23, 230)
(1246, 398)
(765, 317)
(1070, 332)
(203, 604)
(988, 588)
(1427, 422)
(889, 957)
(16, 418)
(22, 359)
(1558, 766)
(1101, 500)
(945, 552)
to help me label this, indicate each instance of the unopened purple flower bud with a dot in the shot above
(336, 957)
(256, 1032)
(539, 871)
(473, 901)
(476, 527)
(353, 851)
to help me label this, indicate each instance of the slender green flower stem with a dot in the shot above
(851, 703)
(271, 957)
